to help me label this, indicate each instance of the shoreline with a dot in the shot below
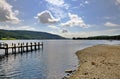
(98, 62)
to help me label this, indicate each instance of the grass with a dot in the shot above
(8, 39)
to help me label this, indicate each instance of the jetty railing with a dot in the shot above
(21, 47)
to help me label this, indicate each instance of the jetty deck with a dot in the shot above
(21, 47)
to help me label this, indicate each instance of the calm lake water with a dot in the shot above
(49, 63)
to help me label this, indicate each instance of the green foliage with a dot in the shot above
(22, 34)
(117, 37)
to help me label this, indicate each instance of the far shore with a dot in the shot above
(98, 62)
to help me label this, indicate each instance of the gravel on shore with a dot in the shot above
(98, 62)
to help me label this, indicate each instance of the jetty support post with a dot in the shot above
(15, 48)
(35, 46)
(38, 45)
(27, 47)
(42, 45)
(21, 48)
(18, 47)
(12, 48)
(31, 47)
(6, 49)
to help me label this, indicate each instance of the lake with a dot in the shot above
(49, 63)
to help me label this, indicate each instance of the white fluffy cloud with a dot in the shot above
(56, 2)
(58, 12)
(7, 14)
(7, 27)
(46, 17)
(110, 24)
(58, 7)
(75, 20)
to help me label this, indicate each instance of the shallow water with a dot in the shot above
(49, 63)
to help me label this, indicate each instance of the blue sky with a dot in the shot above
(68, 18)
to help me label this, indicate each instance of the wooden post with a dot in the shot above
(15, 48)
(42, 45)
(35, 46)
(31, 46)
(21, 48)
(6, 49)
(12, 47)
(38, 45)
(26, 47)
(18, 48)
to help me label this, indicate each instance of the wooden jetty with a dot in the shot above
(21, 47)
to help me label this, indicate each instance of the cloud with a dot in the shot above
(7, 14)
(53, 27)
(46, 17)
(107, 18)
(88, 34)
(86, 2)
(7, 27)
(60, 32)
(25, 28)
(82, 5)
(58, 8)
(58, 12)
(117, 2)
(110, 24)
(64, 31)
(75, 20)
(74, 0)
(56, 2)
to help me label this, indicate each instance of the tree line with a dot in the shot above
(117, 37)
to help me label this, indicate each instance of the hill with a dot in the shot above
(22, 34)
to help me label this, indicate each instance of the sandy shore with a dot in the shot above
(98, 62)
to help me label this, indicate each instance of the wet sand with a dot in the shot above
(98, 62)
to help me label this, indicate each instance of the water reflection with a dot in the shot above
(23, 66)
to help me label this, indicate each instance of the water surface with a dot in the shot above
(49, 63)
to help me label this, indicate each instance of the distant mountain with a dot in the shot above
(22, 34)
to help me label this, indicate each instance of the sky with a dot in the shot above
(67, 18)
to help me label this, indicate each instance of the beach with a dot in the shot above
(98, 62)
